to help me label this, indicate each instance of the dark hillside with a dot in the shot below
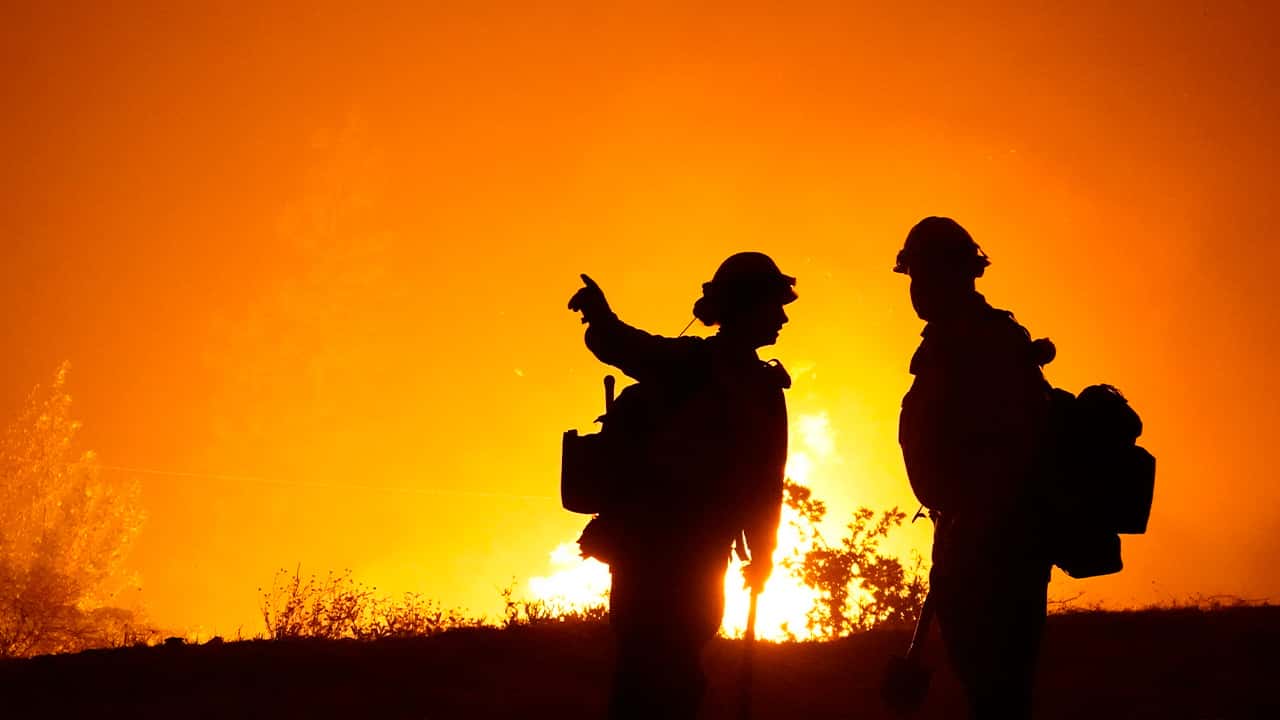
(1152, 664)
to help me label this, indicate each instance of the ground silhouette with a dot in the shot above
(1174, 663)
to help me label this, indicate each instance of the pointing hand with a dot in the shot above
(589, 300)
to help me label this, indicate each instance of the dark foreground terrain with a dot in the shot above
(1148, 664)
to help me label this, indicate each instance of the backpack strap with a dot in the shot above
(778, 375)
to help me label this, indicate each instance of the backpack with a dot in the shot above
(595, 468)
(609, 474)
(599, 471)
(606, 470)
(1101, 483)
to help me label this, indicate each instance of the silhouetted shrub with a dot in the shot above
(859, 587)
(328, 608)
(337, 607)
(412, 615)
(519, 612)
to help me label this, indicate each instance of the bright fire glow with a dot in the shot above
(574, 582)
(782, 610)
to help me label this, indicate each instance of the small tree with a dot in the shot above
(64, 533)
(859, 587)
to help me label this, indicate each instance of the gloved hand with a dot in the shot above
(589, 300)
(756, 573)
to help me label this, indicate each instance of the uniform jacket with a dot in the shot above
(715, 468)
(971, 429)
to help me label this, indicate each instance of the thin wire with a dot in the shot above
(333, 486)
(320, 486)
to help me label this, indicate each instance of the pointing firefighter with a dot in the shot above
(709, 472)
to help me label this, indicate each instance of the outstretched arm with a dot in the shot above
(635, 352)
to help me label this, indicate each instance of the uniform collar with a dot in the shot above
(960, 322)
(733, 355)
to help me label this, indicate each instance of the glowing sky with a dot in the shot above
(327, 252)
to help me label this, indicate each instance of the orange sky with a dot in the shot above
(332, 249)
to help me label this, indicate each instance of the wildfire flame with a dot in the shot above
(575, 583)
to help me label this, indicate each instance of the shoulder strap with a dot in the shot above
(778, 375)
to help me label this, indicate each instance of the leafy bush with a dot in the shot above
(413, 616)
(518, 612)
(859, 587)
(64, 533)
(339, 607)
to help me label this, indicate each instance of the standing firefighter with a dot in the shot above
(971, 429)
(708, 441)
